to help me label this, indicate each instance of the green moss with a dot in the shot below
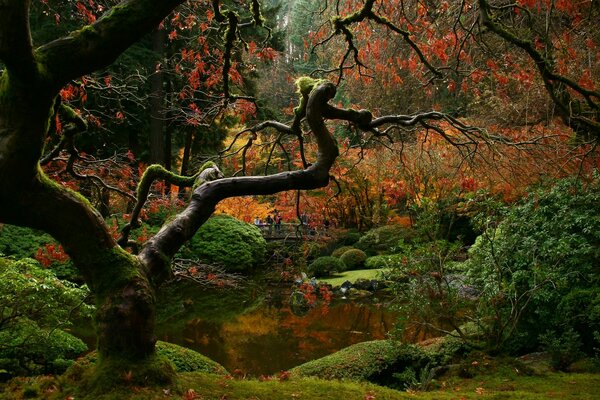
(55, 187)
(186, 360)
(306, 84)
(121, 268)
(229, 242)
(97, 377)
(259, 20)
(373, 361)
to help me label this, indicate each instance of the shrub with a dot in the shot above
(545, 255)
(385, 239)
(21, 242)
(35, 307)
(229, 242)
(341, 250)
(564, 349)
(354, 259)
(348, 238)
(324, 266)
(386, 261)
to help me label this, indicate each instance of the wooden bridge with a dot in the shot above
(289, 231)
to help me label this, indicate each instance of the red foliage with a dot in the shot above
(51, 253)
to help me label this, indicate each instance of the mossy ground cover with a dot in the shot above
(352, 276)
(505, 384)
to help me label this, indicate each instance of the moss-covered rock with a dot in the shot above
(186, 360)
(378, 361)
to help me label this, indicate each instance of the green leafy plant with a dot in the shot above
(229, 242)
(429, 289)
(35, 307)
(383, 240)
(564, 348)
(536, 260)
(396, 261)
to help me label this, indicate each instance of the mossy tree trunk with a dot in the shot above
(123, 284)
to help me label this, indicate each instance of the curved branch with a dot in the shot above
(152, 173)
(163, 246)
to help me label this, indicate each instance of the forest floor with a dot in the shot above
(490, 380)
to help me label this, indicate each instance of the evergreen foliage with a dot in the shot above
(354, 259)
(35, 307)
(323, 266)
(385, 239)
(224, 240)
(542, 258)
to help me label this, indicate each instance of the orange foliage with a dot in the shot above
(245, 208)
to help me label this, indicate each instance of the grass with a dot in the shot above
(352, 276)
(506, 384)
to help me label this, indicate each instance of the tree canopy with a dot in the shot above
(449, 70)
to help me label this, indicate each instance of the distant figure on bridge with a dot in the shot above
(304, 219)
(277, 223)
(269, 222)
(257, 222)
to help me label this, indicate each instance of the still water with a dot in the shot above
(270, 338)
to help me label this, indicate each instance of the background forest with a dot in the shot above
(466, 183)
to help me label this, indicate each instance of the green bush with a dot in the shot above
(396, 261)
(385, 239)
(227, 241)
(564, 349)
(21, 242)
(36, 306)
(545, 255)
(341, 250)
(323, 266)
(354, 259)
(348, 238)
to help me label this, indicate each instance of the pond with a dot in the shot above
(259, 334)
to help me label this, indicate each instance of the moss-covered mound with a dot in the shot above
(183, 359)
(186, 360)
(379, 361)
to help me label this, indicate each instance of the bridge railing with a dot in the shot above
(288, 230)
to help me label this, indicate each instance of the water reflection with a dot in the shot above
(270, 338)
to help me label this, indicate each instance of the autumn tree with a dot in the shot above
(124, 284)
